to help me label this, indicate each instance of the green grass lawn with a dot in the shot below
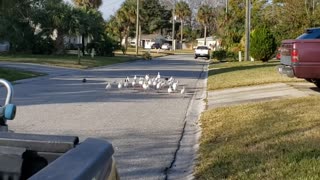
(235, 74)
(154, 52)
(13, 75)
(70, 61)
(271, 140)
(184, 51)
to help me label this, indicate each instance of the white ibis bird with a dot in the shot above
(125, 84)
(147, 77)
(145, 86)
(154, 83)
(108, 86)
(174, 86)
(183, 90)
(135, 77)
(158, 76)
(133, 83)
(162, 84)
(169, 90)
(119, 85)
(140, 80)
(127, 79)
(158, 85)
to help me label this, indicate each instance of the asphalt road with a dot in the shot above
(145, 127)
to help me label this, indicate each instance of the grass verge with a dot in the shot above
(13, 75)
(235, 74)
(271, 140)
(153, 52)
(70, 61)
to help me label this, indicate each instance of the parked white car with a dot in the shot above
(202, 51)
(166, 46)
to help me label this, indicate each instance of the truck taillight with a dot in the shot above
(294, 54)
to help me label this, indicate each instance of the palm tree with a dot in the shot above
(54, 19)
(183, 12)
(204, 16)
(126, 17)
(113, 28)
(88, 4)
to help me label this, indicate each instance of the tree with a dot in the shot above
(205, 16)
(5, 4)
(262, 44)
(15, 20)
(114, 29)
(53, 19)
(183, 12)
(154, 16)
(126, 17)
(87, 5)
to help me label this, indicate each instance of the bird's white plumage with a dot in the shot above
(119, 85)
(169, 90)
(108, 86)
(174, 86)
(183, 90)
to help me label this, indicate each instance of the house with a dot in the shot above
(146, 40)
(211, 41)
(73, 41)
(4, 46)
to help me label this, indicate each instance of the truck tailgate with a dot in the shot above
(285, 51)
(307, 61)
(308, 50)
(202, 51)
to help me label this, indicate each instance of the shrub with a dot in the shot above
(124, 50)
(232, 55)
(262, 44)
(147, 56)
(102, 48)
(42, 46)
(220, 54)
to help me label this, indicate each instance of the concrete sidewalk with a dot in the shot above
(241, 95)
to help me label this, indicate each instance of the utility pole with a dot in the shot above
(226, 6)
(312, 6)
(137, 29)
(173, 26)
(247, 29)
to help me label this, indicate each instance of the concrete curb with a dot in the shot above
(185, 162)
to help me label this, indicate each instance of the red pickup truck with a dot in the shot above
(301, 57)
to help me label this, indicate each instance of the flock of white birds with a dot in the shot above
(147, 83)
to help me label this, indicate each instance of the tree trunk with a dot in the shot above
(181, 32)
(59, 44)
(205, 35)
(82, 43)
(139, 40)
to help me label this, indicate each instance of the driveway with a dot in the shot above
(153, 132)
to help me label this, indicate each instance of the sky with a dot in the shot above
(109, 7)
